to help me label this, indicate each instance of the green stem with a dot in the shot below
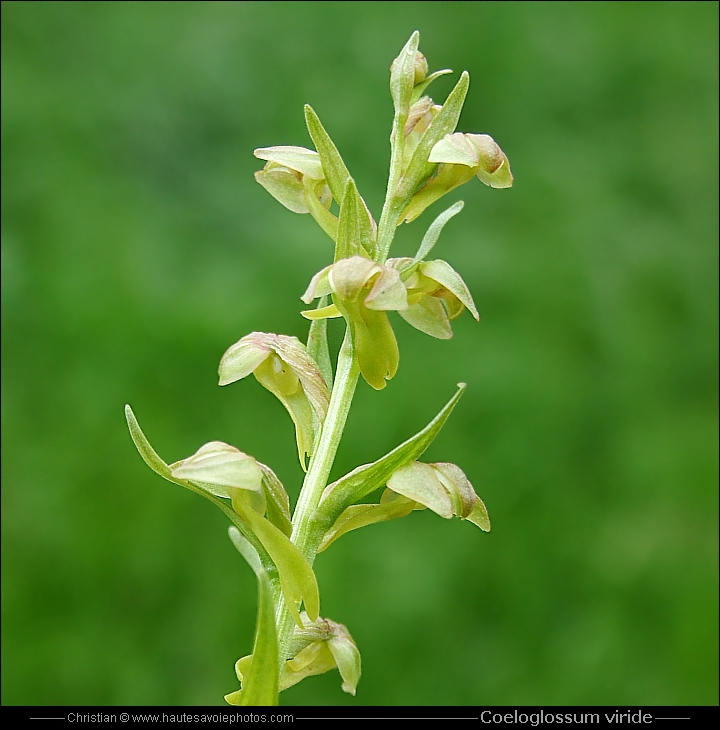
(306, 534)
(391, 209)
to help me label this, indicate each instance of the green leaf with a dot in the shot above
(444, 123)
(317, 344)
(333, 166)
(297, 580)
(260, 684)
(433, 232)
(355, 235)
(367, 478)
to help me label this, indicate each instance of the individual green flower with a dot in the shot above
(317, 647)
(443, 488)
(436, 295)
(282, 365)
(224, 471)
(461, 157)
(294, 177)
(255, 491)
(363, 292)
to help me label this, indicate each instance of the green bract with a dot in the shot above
(361, 285)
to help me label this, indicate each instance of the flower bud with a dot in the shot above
(421, 114)
(420, 67)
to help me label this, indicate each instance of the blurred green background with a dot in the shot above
(137, 247)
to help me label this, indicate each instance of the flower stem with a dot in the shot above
(391, 212)
(306, 534)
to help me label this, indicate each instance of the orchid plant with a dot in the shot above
(362, 286)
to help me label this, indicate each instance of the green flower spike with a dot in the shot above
(294, 177)
(436, 295)
(282, 365)
(363, 292)
(461, 157)
(443, 488)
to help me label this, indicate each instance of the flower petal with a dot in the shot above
(419, 482)
(461, 492)
(375, 344)
(388, 291)
(243, 358)
(444, 274)
(319, 285)
(429, 316)
(348, 276)
(217, 466)
(301, 159)
(284, 186)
